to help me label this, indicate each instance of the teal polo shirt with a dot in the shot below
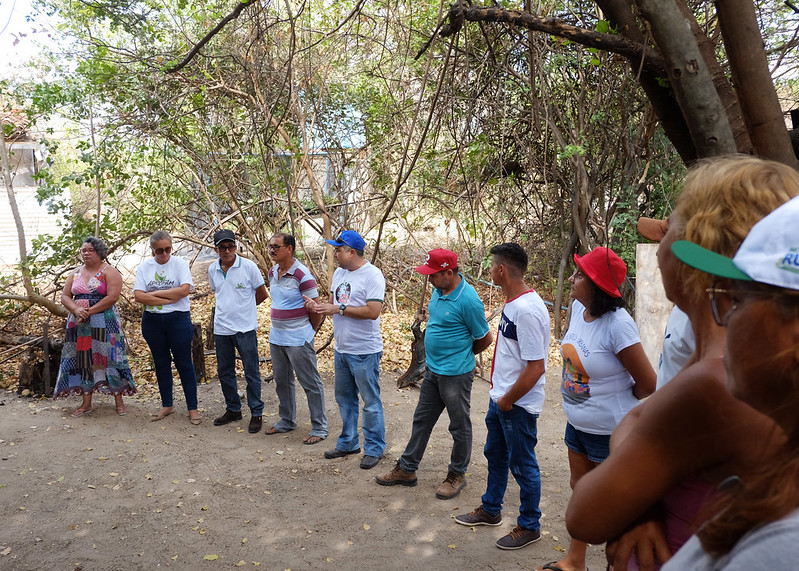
(454, 322)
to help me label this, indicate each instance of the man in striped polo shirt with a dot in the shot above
(291, 339)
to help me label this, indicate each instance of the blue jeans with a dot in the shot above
(510, 444)
(360, 374)
(169, 337)
(438, 392)
(247, 345)
(288, 361)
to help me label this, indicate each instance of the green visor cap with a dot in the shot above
(707, 261)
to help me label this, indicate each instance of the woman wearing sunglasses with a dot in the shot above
(670, 455)
(757, 523)
(163, 284)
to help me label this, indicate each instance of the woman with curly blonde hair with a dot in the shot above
(669, 455)
(757, 521)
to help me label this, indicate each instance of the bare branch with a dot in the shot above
(207, 38)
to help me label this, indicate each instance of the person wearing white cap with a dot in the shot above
(758, 302)
(670, 454)
(456, 330)
(356, 298)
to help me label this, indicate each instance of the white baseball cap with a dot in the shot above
(769, 254)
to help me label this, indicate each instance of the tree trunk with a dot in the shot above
(198, 353)
(690, 78)
(762, 113)
(32, 296)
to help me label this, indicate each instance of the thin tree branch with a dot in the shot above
(207, 38)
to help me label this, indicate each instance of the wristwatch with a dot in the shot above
(341, 309)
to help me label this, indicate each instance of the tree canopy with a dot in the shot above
(555, 129)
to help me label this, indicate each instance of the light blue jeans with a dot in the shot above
(360, 374)
(288, 361)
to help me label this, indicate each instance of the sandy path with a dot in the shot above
(104, 492)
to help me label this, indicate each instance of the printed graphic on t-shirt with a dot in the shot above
(508, 328)
(574, 386)
(160, 282)
(343, 292)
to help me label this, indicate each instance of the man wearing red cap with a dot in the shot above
(456, 330)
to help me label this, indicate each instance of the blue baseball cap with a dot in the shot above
(349, 238)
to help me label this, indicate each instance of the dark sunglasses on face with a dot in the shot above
(161, 251)
(275, 246)
(226, 248)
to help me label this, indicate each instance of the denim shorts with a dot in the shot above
(595, 446)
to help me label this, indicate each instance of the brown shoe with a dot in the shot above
(397, 476)
(451, 486)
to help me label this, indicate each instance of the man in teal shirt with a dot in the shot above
(456, 330)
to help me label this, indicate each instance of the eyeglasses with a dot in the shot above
(275, 246)
(578, 275)
(87, 250)
(724, 301)
(226, 248)
(162, 251)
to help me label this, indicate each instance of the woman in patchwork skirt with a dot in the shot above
(94, 358)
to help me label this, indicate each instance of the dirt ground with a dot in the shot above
(110, 492)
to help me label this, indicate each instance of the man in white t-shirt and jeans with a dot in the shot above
(239, 287)
(516, 400)
(356, 298)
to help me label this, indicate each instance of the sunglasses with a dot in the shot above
(275, 246)
(226, 248)
(161, 251)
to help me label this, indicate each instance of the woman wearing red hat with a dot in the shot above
(605, 370)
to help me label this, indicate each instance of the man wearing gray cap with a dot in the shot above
(238, 286)
(356, 298)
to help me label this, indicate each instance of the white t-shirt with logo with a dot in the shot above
(152, 276)
(597, 390)
(523, 336)
(355, 288)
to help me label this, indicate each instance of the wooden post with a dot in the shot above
(198, 354)
(46, 349)
(209, 331)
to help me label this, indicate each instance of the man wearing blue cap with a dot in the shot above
(356, 298)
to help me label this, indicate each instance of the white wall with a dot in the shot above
(652, 308)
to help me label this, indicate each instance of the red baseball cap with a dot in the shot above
(604, 268)
(438, 260)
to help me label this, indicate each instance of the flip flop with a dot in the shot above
(195, 421)
(273, 430)
(313, 439)
(161, 415)
(78, 412)
(551, 565)
(122, 410)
